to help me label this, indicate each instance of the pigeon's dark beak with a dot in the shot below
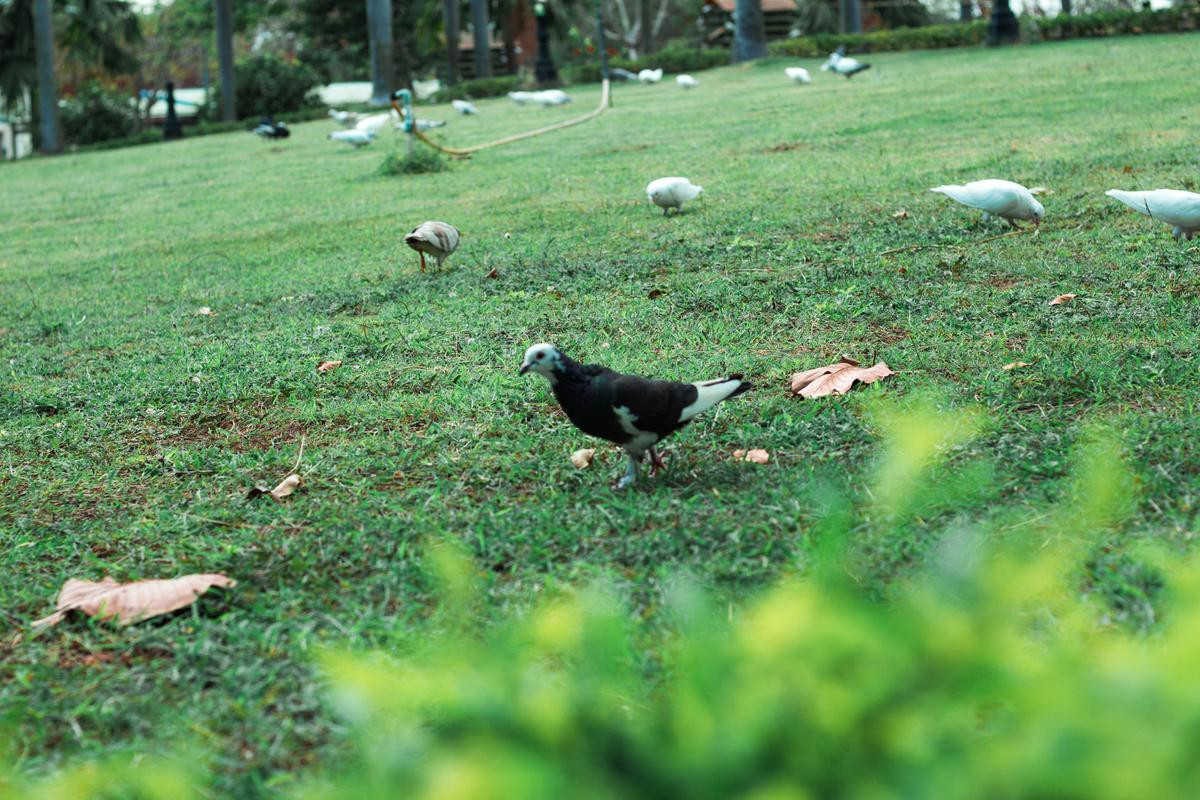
(524, 368)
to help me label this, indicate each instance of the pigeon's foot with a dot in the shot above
(656, 462)
(1177, 232)
(630, 475)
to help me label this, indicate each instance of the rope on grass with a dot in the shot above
(465, 152)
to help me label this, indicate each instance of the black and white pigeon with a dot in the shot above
(839, 63)
(269, 129)
(636, 413)
(618, 74)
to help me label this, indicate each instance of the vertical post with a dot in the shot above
(450, 26)
(851, 17)
(749, 34)
(43, 35)
(225, 59)
(379, 31)
(543, 68)
(172, 128)
(1002, 27)
(483, 42)
(1066, 8)
(601, 43)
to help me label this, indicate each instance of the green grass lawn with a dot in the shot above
(131, 428)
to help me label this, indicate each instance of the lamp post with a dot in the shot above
(543, 69)
(172, 129)
(1002, 27)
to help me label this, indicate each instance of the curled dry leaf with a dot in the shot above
(131, 602)
(1015, 365)
(1063, 298)
(285, 487)
(328, 366)
(654, 294)
(582, 459)
(836, 378)
(205, 311)
(1041, 190)
(753, 456)
(901, 214)
(494, 273)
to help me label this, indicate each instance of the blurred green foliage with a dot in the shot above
(987, 676)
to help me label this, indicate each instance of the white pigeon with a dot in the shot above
(686, 81)
(797, 74)
(521, 98)
(1179, 209)
(463, 107)
(438, 239)
(374, 123)
(1005, 199)
(356, 138)
(650, 75)
(347, 119)
(842, 65)
(668, 193)
(551, 97)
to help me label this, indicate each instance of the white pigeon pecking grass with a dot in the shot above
(438, 239)
(842, 65)
(347, 119)
(1177, 208)
(463, 107)
(650, 75)
(354, 137)
(798, 75)
(686, 82)
(668, 193)
(996, 198)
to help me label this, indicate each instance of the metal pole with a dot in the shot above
(851, 17)
(379, 30)
(647, 34)
(225, 60)
(450, 20)
(483, 43)
(43, 35)
(1002, 27)
(601, 43)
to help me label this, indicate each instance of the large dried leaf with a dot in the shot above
(329, 366)
(131, 602)
(205, 311)
(582, 459)
(753, 456)
(836, 378)
(285, 487)
(1063, 298)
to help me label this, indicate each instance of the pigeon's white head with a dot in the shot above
(543, 359)
(1039, 211)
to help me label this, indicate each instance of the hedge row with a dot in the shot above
(671, 60)
(1034, 29)
(476, 88)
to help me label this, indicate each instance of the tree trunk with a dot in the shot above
(647, 24)
(379, 31)
(450, 25)
(851, 16)
(483, 44)
(1066, 7)
(225, 60)
(750, 37)
(43, 35)
(966, 11)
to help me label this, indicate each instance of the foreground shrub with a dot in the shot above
(422, 160)
(96, 114)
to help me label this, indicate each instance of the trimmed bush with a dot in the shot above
(269, 86)
(479, 87)
(96, 114)
(673, 59)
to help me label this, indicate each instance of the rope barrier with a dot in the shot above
(465, 152)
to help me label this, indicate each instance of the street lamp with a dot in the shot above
(543, 69)
(1002, 27)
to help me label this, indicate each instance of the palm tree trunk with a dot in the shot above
(483, 48)
(450, 23)
(851, 16)
(749, 37)
(43, 32)
(225, 60)
(379, 29)
(647, 24)
(966, 13)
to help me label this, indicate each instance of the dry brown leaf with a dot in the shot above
(495, 273)
(328, 366)
(1128, 170)
(1016, 365)
(654, 294)
(1063, 298)
(901, 214)
(205, 311)
(131, 602)
(1041, 190)
(286, 486)
(836, 378)
(582, 459)
(753, 456)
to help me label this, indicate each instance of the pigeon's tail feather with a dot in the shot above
(858, 69)
(960, 193)
(1135, 200)
(709, 393)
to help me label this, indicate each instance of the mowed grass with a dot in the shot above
(131, 428)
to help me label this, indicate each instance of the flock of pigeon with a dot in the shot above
(637, 413)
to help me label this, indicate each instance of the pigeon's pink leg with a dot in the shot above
(422, 254)
(656, 462)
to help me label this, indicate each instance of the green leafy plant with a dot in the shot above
(422, 160)
(96, 114)
(270, 86)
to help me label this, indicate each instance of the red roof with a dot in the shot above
(767, 5)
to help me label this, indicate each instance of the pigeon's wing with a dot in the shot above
(989, 196)
(653, 406)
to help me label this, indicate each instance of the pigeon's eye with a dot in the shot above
(540, 356)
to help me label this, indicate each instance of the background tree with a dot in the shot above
(224, 28)
(379, 32)
(450, 26)
(47, 86)
(749, 36)
(851, 16)
(483, 44)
